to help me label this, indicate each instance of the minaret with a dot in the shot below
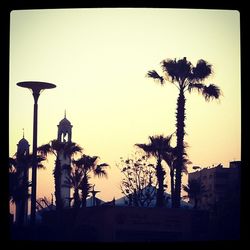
(64, 135)
(64, 130)
(22, 157)
(23, 146)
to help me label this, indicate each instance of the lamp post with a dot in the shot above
(36, 88)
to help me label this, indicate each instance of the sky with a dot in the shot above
(98, 58)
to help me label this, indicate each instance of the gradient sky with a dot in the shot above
(98, 58)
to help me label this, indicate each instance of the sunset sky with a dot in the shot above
(99, 57)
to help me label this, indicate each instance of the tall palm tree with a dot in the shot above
(194, 190)
(88, 164)
(56, 147)
(158, 147)
(185, 77)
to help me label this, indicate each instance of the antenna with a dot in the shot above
(23, 132)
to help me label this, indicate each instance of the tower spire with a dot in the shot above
(23, 132)
(65, 113)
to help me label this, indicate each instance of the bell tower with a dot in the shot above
(64, 135)
(22, 157)
(64, 130)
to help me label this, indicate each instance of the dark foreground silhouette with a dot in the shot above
(126, 224)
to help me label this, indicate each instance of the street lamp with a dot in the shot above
(36, 88)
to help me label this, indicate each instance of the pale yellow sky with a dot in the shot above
(98, 58)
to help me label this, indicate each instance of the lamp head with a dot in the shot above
(36, 86)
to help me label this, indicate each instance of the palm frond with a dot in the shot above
(196, 86)
(41, 166)
(45, 149)
(184, 68)
(71, 148)
(103, 165)
(158, 145)
(169, 67)
(211, 92)
(186, 161)
(39, 159)
(146, 148)
(86, 162)
(202, 70)
(57, 145)
(153, 74)
(168, 158)
(100, 172)
(177, 70)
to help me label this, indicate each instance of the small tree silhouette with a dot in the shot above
(138, 181)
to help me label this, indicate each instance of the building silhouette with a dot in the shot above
(218, 182)
(64, 135)
(22, 160)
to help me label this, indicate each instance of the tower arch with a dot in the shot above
(64, 130)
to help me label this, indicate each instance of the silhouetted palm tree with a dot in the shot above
(88, 164)
(74, 181)
(159, 147)
(185, 77)
(68, 149)
(19, 183)
(138, 181)
(170, 159)
(194, 190)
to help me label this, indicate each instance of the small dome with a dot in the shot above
(23, 144)
(64, 121)
(23, 141)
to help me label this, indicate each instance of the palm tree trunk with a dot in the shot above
(22, 200)
(18, 212)
(160, 177)
(136, 198)
(57, 178)
(195, 202)
(172, 185)
(22, 186)
(77, 201)
(84, 199)
(180, 117)
(26, 192)
(85, 189)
